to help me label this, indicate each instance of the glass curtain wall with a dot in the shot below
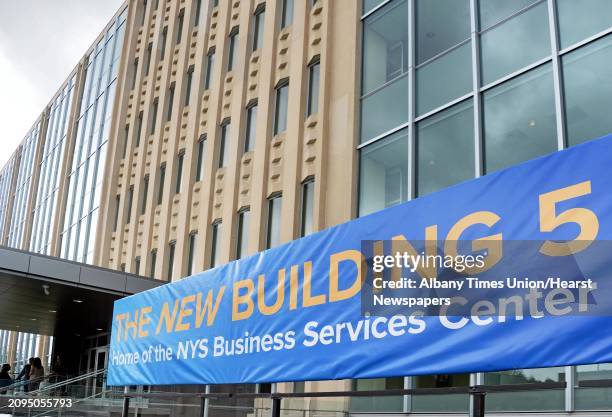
(87, 171)
(6, 177)
(50, 169)
(23, 187)
(455, 89)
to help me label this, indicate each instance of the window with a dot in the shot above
(145, 195)
(188, 86)
(540, 400)
(384, 173)
(179, 171)
(593, 398)
(148, 59)
(444, 54)
(144, 12)
(162, 178)
(153, 262)
(128, 217)
(198, 10)
(126, 139)
(314, 71)
(579, 19)
(445, 148)
(492, 12)
(286, 13)
(223, 144)
(134, 73)
(441, 24)
(274, 221)
(519, 119)
(162, 41)
(138, 129)
(443, 403)
(387, 404)
(384, 70)
(122, 267)
(154, 116)
(258, 27)
(200, 161)
(117, 206)
(280, 115)
(179, 29)
(191, 254)
(251, 127)
(170, 106)
(525, 39)
(369, 5)
(233, 49)
(588, 91)
(242, 240)
(215, 259)
(210, 62)
(171, 248)
(137, 265)
(307, 207)
(444, 79)
(215, 3)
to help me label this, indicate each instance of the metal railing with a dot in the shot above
(476, 394)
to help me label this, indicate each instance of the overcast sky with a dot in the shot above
(41, 41)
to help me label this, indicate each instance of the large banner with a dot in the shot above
(507, 271)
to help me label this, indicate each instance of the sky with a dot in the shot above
(41, 42)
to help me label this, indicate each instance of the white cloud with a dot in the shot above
(41, 42)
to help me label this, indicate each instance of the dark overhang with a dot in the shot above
(39, 293)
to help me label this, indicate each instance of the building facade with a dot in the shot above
(196, 132)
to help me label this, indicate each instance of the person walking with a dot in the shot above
(37, 373)
(25, 374)
(5, 377)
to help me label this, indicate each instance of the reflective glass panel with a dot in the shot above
(440, 25)
(535, 400)
(445, 148)
(441, 403)
(384, 173)
(516, 43)
(588, 91)
(444, 79)
(593, 398)
(494, 11)
(579, 19)
(377, 404)
(385, 65)
(519, 120)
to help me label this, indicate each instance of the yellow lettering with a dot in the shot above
(208, 309)
(166, 317)
(143, 321)
(492, 244)
(280, 294)
(309, 299)
(242, 299)
(184, 312)
(335, 293)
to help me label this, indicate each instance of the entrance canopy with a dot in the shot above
(46, 295)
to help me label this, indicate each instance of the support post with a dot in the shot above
(276, 407)
(126, 403)
(477, 402)
(204, 403)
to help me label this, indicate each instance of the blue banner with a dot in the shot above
(528, 287)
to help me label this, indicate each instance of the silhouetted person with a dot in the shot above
(37, 372)
(24, 375)
(5, 377)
